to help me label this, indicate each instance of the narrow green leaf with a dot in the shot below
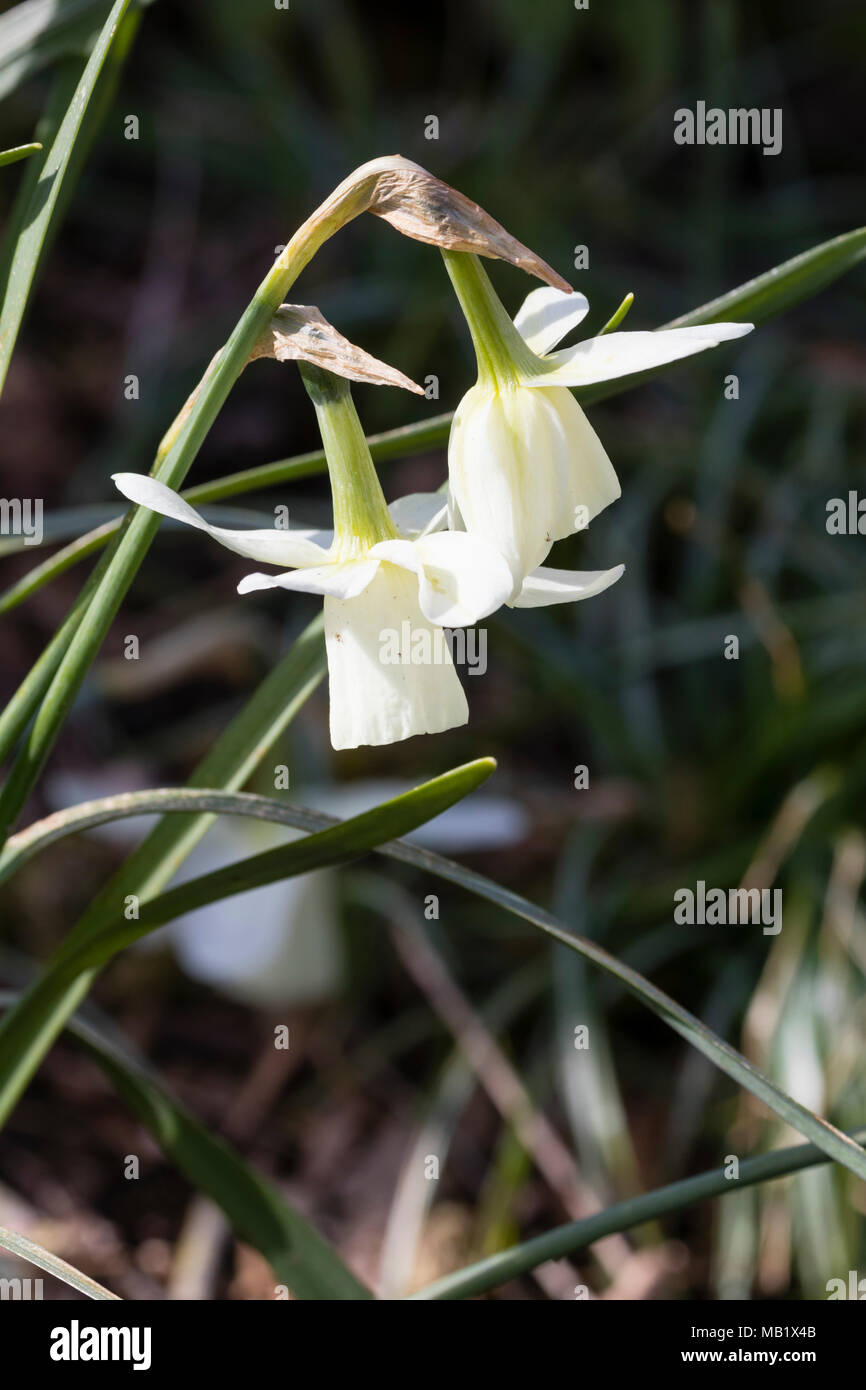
(160, 800)
(39, 32)
(497, 1269)
(833, 1142)
(389, 444)
(37, 1255)
(19, 711)
(298, 1255)
(47, 193)
(56, 565)
(75, 522)
(398, 443)
(229, 764)
(337, 841)
(333, 845)
(28, 1030)
(64, 80)
(783, 286)
(17, 152)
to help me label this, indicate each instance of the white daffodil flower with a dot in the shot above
(377, 581)
(525, 466)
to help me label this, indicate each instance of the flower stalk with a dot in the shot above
(500, 351)
(361, 516)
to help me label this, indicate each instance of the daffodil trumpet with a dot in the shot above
(525, 466)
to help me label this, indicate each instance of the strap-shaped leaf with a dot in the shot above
(47, 192)
(335, 841)
(29, 1029)
(17, 152)
(229, 764)
(43, 1259)
(298, 1255)
(508, 1264)
(333, 844)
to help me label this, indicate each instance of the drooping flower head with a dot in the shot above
(379, 569)
(525, 466)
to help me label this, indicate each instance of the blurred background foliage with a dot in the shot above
(560, 123)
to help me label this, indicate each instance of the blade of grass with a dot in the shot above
(39, 32)
(497, 1269)
(19, 711)
(333, 845)
(64, 81)
(17, 152)
(390, 444)
(451, 1092)
(346, 839)
(37, 1255)
(28, 1032)
(588, 1081)
(56, 565)
(785, 285)
(229, 764)
(47, 192)
(74, 523)
(298, 1255)
(160, 800)
(92, 541)
(825, 1135)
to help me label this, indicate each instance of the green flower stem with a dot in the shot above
(501, 353)
(361, 516)
(174, 459)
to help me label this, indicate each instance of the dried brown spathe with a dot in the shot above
(299, 331)
(420, 206)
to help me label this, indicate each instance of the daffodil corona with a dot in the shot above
(525, 466)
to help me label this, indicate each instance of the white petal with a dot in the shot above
(619, 354)
(461, 578)
(546, 315)
(526, 468)
(419, 513)
(546, 586)
(272, 546)
(341, 580)
(391, 672)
